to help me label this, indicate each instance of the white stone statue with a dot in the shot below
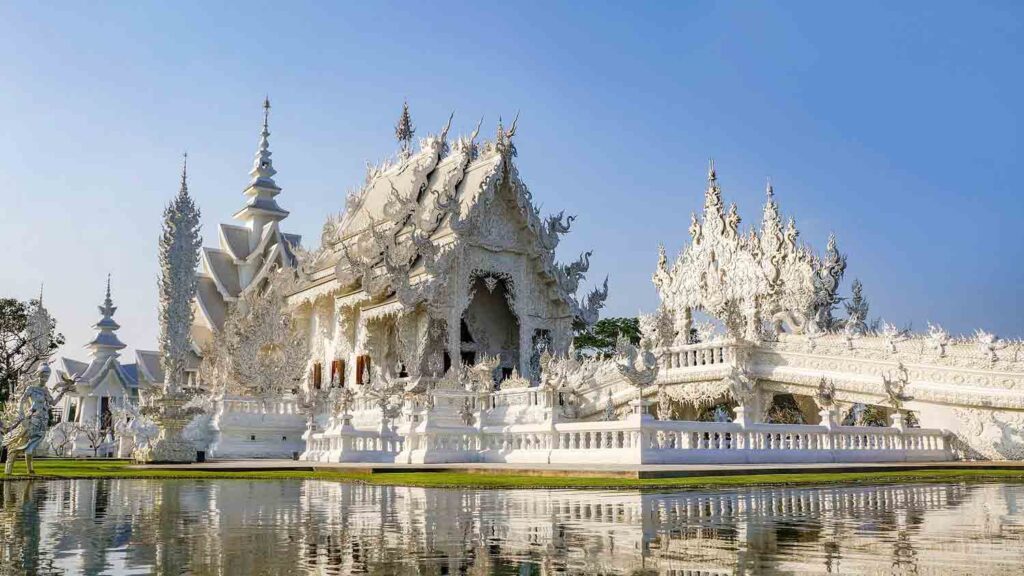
(26, 434)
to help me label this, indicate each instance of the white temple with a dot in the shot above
(104, 383)
(437, 325)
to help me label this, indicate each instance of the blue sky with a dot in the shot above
(895, 126)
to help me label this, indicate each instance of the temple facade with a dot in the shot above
(440, 262)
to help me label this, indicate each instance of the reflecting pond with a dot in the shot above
(316, 527)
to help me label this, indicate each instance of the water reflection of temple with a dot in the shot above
(254, 527)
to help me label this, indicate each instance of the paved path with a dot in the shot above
(595, 470)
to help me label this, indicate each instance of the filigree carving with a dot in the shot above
(745, 280)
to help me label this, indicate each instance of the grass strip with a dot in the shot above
(88, 469)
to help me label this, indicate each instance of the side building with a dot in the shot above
(104, 385)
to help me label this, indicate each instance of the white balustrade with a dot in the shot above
(697, 355)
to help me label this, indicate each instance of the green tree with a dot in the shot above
(28, 336)
(599, 340)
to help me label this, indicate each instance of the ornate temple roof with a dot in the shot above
(748, 279)
(104, 351)
(438, 193)
(250, 250)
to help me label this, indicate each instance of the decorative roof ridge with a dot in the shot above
(265, 269)
(213, 274)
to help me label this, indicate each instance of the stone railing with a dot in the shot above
(682, 442)
(243, 405)
(712, 442)
(646, 441)
(356, 446)
(696, 355)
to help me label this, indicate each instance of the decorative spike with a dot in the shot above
(184, 173)
(447, 126)
(476, 131)
(266, 112)
(512, 131)
(711, 170)
(769, 190)
(404, 129)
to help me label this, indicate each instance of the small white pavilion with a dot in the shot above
(104, 382)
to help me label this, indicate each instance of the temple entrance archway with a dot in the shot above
(489, 325)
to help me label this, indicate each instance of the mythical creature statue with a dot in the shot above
(895, 388)
(587, 314)
(26, 434)
(555, 226)
(609, 408)
(988, 344)
(637, 364)
(569, 275)
(938, 338)
(826, 395)
(893, 336)
(466, 413)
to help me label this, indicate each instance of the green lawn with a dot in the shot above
(119, 469)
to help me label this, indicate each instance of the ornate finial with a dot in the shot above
(184, 171)
(476, 131)
(108, 308)
(503, 142)
(711, 170)
(447, 126)
(404, 130)
(769, 190)
(262, 173)
(40, 294)
(512, 131)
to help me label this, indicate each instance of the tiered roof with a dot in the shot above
(249, 250)
(104, 350)
(438, 193)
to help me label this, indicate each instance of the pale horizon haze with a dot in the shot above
(897, 126)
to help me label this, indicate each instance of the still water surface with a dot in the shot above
(314, 527)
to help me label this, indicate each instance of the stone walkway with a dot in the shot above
(609, 471)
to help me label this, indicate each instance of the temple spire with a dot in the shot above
(404, 130)
(769, 191)
(106, 342)
(263, 172)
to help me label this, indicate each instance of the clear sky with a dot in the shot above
(896, 125)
